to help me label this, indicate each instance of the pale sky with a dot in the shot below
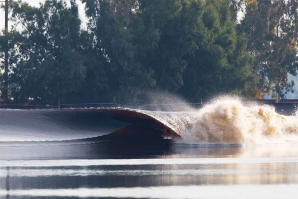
(31, 2)
(36, 3)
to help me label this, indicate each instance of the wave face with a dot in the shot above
(229, 120)
(224, 120)
(52, 124)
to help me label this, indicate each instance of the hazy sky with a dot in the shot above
(31, 2)
(81, 11)
(36, 3)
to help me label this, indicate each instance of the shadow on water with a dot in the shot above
(125, 148)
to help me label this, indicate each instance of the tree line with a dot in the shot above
(193, 48)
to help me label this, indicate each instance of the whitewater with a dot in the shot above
(230, 120)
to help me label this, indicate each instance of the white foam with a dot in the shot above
(229, 120)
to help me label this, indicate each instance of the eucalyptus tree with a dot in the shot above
(2, 57)
(50, 65)
(271, 27)
(219, 61)
(161, 40)
(143, 43)
(194, 48)
(185, 46)
(7, 41)
(110, 22)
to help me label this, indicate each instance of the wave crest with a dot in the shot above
(230, 120)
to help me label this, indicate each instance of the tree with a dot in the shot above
(7, 41)
(271, 27)
(160, 41)
(190, 47)
(185, 46)
(110, 21)
(50, 64)
(219, 62)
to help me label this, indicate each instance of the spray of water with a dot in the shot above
(157, 101)
(230, 120)
(224, 120)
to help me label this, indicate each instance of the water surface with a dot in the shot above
(176, 171)
(226, 150)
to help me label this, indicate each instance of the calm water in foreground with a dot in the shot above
(140, 170)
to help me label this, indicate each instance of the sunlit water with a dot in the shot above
(246, 152)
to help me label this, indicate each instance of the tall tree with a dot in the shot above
(50, 65)
(219, 62)
(271, 27)
(7, 42)
(110, 22)
(185, 46)
(160, 41)
(169, 44)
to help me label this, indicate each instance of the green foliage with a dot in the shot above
(50, 64)
(189, 47)
(113, 38)
(271, 27)
(159, 42)
(220, 63)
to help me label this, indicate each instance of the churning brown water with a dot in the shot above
(229, 120)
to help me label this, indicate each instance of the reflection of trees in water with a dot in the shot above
(7, 183)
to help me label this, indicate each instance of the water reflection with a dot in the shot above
(7, 182)
(172, 171)
(236, 191)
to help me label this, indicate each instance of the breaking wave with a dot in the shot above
(230, 120)
(224, 120)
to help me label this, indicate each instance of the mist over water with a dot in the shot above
(157, 101)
